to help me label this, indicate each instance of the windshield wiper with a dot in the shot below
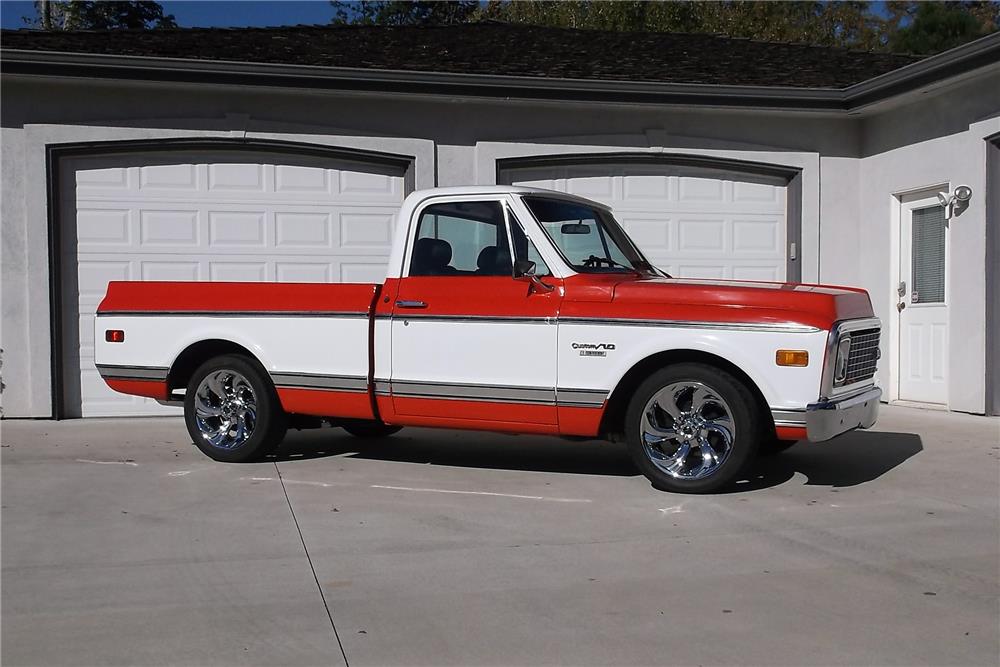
(594, 262)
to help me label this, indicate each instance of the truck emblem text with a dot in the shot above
(593, 349)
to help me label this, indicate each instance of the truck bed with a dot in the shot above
(313, 339)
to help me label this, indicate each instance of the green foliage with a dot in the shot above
(937, 27)
(916, 27)
(89, 15)
(402, 12)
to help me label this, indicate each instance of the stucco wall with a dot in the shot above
(454, 141)
(948, 149)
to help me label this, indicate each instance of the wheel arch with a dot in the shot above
(195, 354)
(612, 422)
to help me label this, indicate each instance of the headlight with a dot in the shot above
(843, 353)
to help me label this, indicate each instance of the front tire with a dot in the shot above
(232, 411)
(692, 428)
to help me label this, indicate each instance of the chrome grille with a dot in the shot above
(863, 357)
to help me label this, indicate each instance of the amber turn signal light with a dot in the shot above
(791, 358)
(114, 336)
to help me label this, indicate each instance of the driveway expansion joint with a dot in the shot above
(312, 568)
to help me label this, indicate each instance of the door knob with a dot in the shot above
(900, 306)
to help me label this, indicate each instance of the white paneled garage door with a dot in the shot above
(695, 223)
(225, 216)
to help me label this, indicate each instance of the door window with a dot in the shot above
(928, 255)
(461, 239)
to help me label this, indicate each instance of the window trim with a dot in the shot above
(509, 212)
(414, 227)
(557, 266)
(599, 208)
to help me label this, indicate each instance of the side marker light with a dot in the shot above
(792, 358)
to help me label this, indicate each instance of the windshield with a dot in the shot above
(589, 238)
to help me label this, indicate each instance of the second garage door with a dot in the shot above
(690, 222)
(229, 216)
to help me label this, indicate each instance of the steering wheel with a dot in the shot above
(594, 261)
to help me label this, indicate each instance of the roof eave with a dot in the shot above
(984, 52)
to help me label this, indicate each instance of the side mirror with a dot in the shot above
(524, 268)
(575, 228)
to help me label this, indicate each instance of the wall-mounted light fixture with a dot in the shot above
(956, 202)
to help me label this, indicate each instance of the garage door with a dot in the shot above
(690, 222)
(220, 216)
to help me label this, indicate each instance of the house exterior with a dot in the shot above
(281, 154)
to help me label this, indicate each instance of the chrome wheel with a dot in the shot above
(225, 409)
(687, 430)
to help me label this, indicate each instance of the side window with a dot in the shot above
(524, 248)
(461, 239)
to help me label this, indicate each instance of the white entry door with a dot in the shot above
(922, 304)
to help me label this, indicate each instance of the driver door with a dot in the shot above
(470, 344)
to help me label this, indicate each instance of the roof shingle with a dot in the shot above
(493, 49)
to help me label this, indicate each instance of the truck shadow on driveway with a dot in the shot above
(466, 450)
(852, 459)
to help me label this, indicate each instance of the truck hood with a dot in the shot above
(679, 299)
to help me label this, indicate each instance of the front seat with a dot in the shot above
(493, 261)
(431, 257)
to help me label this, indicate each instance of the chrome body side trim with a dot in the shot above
(475, 319)
(583, 398)
(589, 398)
(112, 372)
(786, 327)
(231, 313)
(350, 383)
(538, 395)
(789, 417)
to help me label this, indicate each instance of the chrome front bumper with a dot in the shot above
(830, 418)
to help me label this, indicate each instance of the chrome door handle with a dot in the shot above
(411, 304)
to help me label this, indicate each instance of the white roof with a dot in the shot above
(417, 199)
(465, 190)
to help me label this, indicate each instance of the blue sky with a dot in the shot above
(225, 13)
(222, 13)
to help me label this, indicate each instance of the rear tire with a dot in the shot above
(370, 429)
(232, 411)
(692, 428)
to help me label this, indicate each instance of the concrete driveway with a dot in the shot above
(122, 544)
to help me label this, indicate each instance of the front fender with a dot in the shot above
(620, 347)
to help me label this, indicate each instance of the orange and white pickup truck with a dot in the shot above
(506, 309)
